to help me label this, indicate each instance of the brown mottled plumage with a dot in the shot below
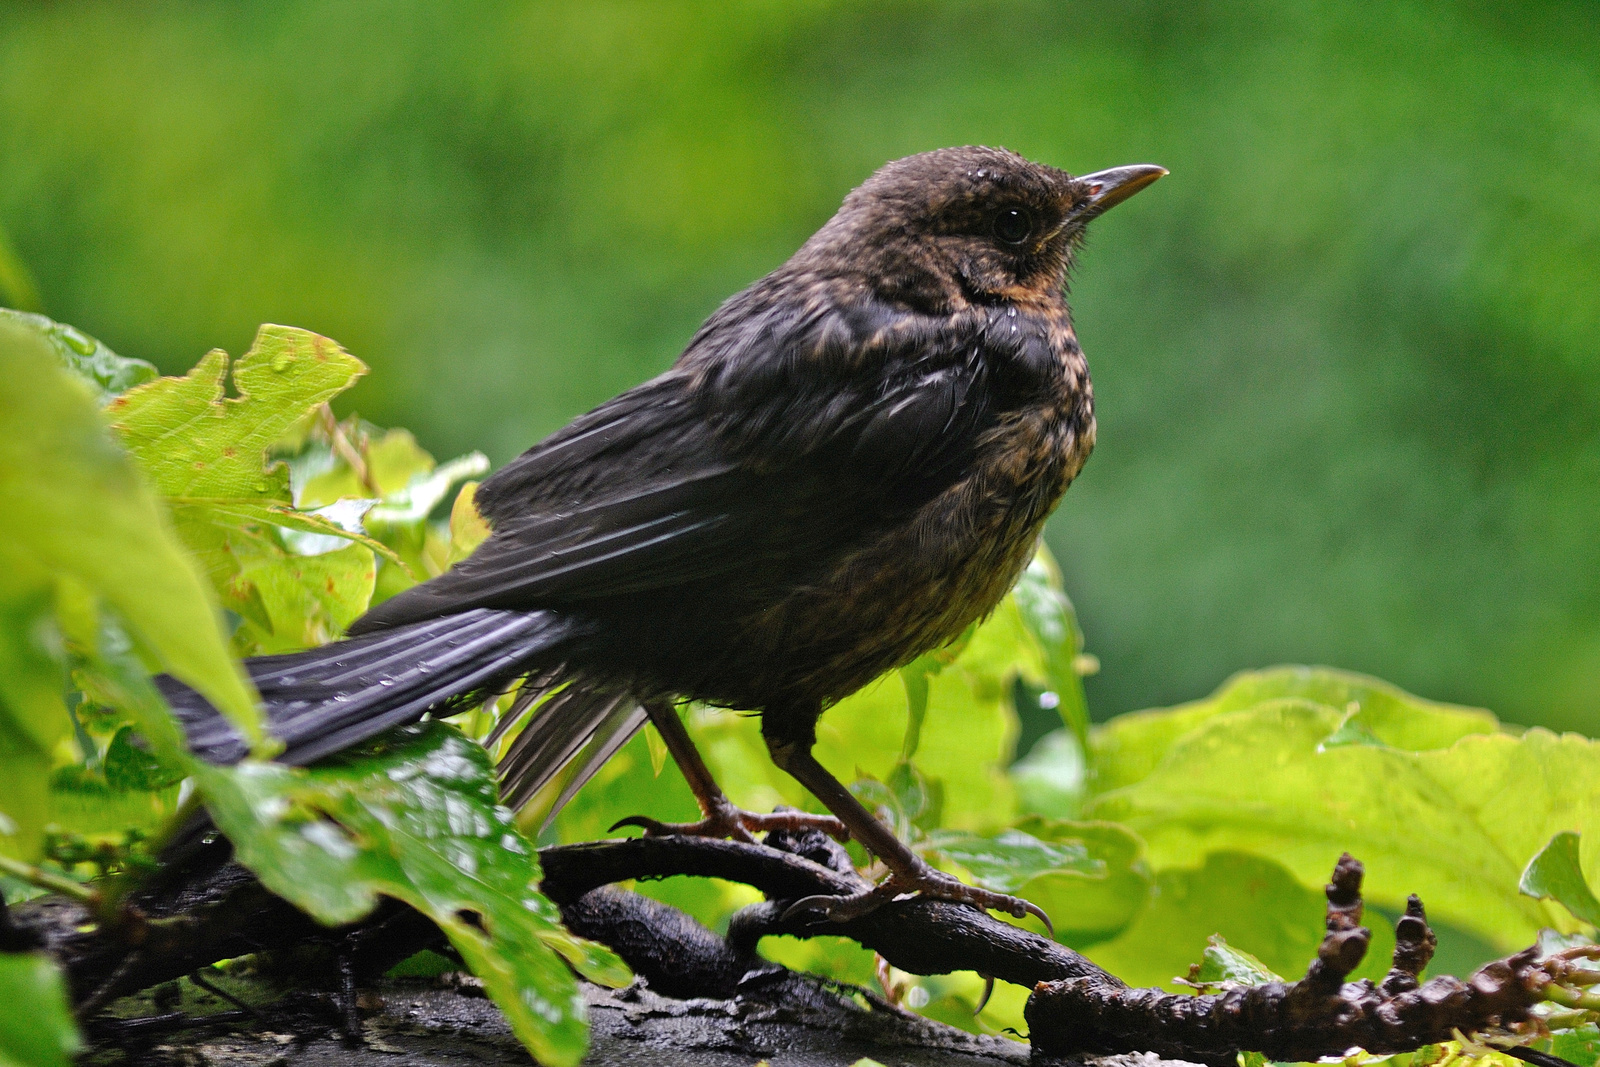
(850, 463)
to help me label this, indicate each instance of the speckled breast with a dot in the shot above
(923, 583)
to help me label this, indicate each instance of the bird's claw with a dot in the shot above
(727, 821)
(927, 882)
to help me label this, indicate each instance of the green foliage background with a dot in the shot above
(1345, 355)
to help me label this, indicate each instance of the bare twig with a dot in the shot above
(54, 883)
(346, 451)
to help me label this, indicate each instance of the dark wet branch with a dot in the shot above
(1320, 1015)
(1075, 1008)
(917, 936)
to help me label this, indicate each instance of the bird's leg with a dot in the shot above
(908, 872)
(720, 818)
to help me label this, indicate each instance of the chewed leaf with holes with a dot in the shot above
(415, 817)
(207, 454)
(200, 446)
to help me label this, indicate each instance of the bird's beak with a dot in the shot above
(1108, 188)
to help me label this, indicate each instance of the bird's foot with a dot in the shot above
(923, 881)
(723, 820)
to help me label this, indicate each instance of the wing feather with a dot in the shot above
(810, 416)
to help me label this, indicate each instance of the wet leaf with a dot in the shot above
(414, 817)
(1049, 617)
(199, 445)
(105, 372)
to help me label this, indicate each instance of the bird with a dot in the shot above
(851, 461)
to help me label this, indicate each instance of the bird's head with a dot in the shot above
(968, 225)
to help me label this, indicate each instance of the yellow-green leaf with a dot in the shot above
(73, 507)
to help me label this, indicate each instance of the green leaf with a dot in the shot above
(424, 491)
(36, 1025)
(1451, 824)
(1052, 779)
(1223, 965)
(834, 957)
(468, 529)
(207, 453)
(74, 510)
(1130, 746)
(1098, 899)
(17, 287)
(914, 676)
(198, 445)
(84, 804)
(129, 766)
(1010, 859)
(414, 817)
(964, 741)
(1555, 874)
(308, 600)
(392, 461)
(1051, 620)
(1088, 877)
(1579, 1046)
(105, 372)
(33, 718)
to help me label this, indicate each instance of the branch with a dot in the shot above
(1320, 1015)
(918, 936)
(1075, 1007)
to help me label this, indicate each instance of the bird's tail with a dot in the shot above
(325, 700)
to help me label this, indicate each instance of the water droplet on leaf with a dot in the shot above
(75, 340)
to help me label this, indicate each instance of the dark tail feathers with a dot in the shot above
(327, 699)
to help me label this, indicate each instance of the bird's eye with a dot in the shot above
(1013, 225)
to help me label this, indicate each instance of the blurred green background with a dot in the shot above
(1347, 356)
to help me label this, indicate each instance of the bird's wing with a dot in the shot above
(631, 496)
(741, 462)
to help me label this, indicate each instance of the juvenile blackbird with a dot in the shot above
(851, 462)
